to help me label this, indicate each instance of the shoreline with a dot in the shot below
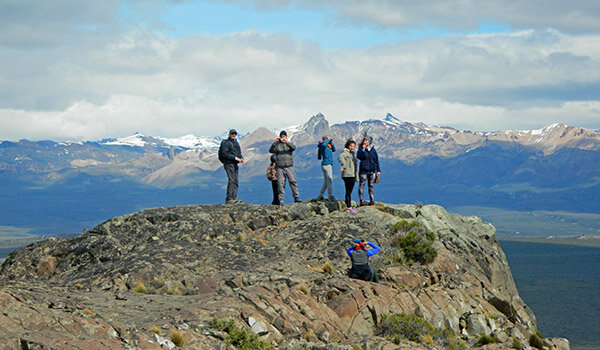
(580, 241)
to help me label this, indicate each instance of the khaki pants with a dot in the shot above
(289, 174)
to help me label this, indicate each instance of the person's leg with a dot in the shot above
(275, 187)
(229, 170)
(328, 173)
(371, 187)
(348, 185)
(361, 186)
(324, 187)
(234, 190)
(291, 175)
(373, 275)
(281, 184)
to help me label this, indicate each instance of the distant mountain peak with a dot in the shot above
(390, 118)
(135, 140)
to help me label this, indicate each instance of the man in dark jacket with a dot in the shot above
(359, 255)
(230, 154)
(284, 164)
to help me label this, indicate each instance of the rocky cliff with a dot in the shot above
(276, 272)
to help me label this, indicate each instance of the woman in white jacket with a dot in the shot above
(349, 171)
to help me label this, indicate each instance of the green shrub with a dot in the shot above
(396, 327)
(416, 244)
(516, 344)
(327, 268)
(240, 338)
(403, 226)
(177, 338)
(536, 341)
(155, 329)
(140, 288)
(486, 339)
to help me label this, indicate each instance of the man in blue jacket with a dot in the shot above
(359, 255)
(325, 152)
(230, 154)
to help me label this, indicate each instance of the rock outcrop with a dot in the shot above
(278, 272)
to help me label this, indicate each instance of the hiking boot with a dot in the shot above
(348, 210)
(331, 198)
(371, 203)
(297, 200)
(362, 203)
(353, 211)
(320, 198)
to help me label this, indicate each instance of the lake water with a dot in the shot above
(561, 284)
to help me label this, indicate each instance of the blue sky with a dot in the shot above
(72, 69)
(318, 26)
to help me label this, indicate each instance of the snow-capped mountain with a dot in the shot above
(553, 168)
(162, 161)
(188, 141)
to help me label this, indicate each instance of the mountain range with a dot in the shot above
(553, 168)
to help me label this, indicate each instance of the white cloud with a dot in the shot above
(109, 84)
(579, 16)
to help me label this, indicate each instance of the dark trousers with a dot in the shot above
(349, 184)
(363, 272)
(275, 187)
(232, 181)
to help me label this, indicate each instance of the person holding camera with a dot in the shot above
(230, 154)
(359, 255)
(325, 152)
(284, 166)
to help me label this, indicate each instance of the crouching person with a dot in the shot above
(359, 255)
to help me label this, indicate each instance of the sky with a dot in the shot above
(87, 70)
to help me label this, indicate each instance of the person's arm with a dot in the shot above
(239, 151)
(332, 147)
(373, 251)
(376, 159)
(273, 147)
(342, 159)
(350, 251)
(319, 151)
(291, 146)
(360, 154)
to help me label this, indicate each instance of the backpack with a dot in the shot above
(271, 173)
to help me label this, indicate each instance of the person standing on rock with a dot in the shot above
(272, 177)
(359, 255)
(325, 152)
(284, 166)
(230, 154)
(368, 170)
(349, 172)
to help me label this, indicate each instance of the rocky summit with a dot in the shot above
(260, 277)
